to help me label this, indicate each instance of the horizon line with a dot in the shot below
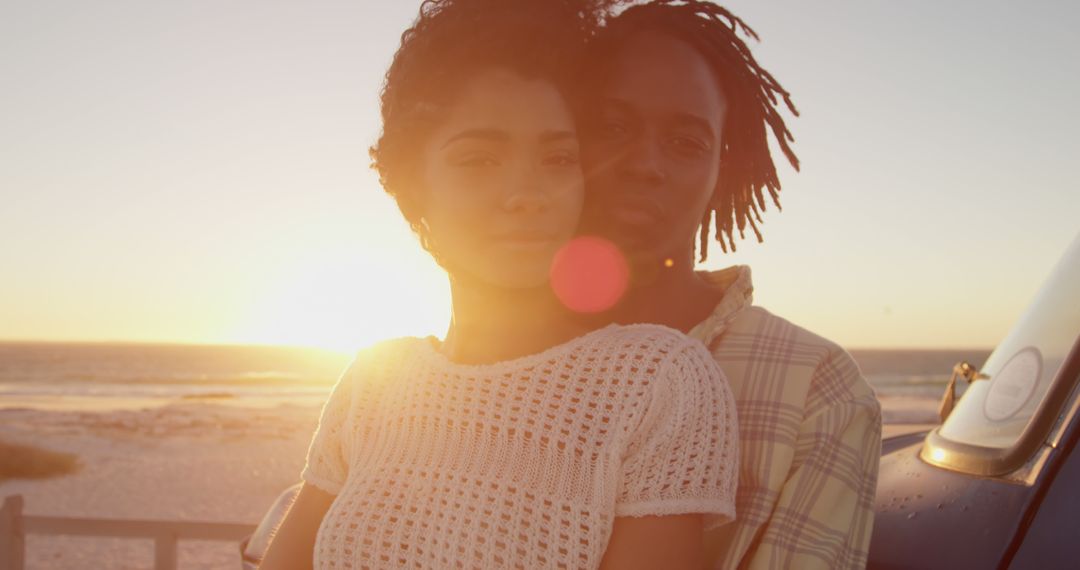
(358, 347)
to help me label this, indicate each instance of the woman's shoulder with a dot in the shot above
(650, 331)
(679, 361)
(383, 357)
(392, 347)
(646, 341)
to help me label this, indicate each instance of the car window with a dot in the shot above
(995, 412)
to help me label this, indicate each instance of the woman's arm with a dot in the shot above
(293, 545)
(672, 542)
(679, 474)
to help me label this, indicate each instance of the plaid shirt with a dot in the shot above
(809, 437)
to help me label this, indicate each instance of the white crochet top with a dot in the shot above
(523, 463)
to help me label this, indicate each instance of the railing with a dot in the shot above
(14, 526)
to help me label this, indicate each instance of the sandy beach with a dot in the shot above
(185, 461)
(194, 460)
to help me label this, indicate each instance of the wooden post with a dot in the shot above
(12, 545)
(165, 552)
(14, 526)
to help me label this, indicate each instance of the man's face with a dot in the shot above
(651, 139)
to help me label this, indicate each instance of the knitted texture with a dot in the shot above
(523, 463)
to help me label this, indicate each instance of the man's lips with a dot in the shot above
(638, 214)
(632, 217)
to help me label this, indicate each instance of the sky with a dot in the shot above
(194, 171)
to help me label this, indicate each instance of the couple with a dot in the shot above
(681, 427)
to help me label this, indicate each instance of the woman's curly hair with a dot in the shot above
(754, 103)
(451, 40)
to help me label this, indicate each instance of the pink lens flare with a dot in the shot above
(589, 274)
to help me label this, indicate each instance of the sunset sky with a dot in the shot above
(192, 171)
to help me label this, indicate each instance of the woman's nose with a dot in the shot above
(526, 202)
(525, 192)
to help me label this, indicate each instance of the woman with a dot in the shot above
(676, 141)
(521, 440)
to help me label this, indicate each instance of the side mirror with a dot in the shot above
(964, 370)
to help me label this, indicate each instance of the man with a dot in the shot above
(675, 130)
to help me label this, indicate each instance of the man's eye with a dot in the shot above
(689, 145)
(561, 159)
(611, 129)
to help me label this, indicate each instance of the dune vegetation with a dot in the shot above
(28, 462)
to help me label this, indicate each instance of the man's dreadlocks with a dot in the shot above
(746, 164)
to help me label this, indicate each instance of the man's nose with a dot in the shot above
(644, 160)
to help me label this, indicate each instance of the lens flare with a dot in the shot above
(589, 274)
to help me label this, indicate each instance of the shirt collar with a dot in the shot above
(738, 295)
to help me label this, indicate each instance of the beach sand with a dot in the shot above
(186, 461)
(193, 460)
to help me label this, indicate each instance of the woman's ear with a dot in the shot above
(427, 240)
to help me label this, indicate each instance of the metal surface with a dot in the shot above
(931, 518)
(1051, 535)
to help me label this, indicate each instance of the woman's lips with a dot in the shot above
(525, 243)
(525, 240)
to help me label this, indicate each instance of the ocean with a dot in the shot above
(108, 376)
(104, 376)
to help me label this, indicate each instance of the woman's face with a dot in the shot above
(651, 139)
(502, 180)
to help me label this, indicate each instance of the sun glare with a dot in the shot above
(345, 300)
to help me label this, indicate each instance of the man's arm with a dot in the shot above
(825, 513)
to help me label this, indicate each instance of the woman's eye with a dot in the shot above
(477, 161)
